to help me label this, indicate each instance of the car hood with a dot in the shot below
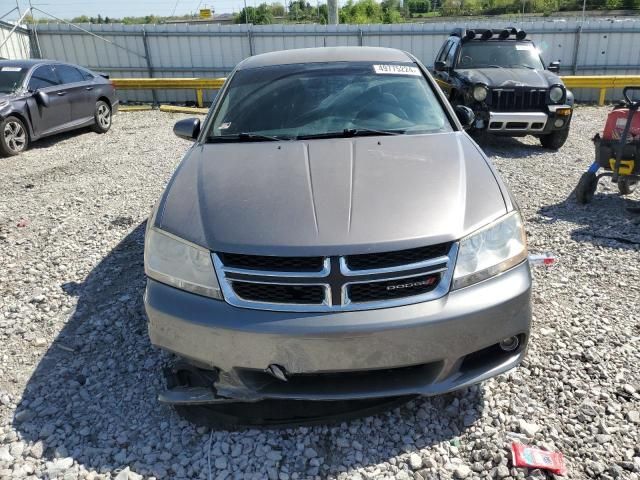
(510, 77)
(331, 196)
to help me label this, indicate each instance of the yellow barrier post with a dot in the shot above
(199, 97)
(603, 94)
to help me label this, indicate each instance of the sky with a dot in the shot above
(123, 8)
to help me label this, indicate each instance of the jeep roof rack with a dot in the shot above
(466, 34)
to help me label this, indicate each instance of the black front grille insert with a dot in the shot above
(370, 261)
(271, 293)
(273, 264)
(392, 289)
(519, 99)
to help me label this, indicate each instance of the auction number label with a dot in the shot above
(396, 70)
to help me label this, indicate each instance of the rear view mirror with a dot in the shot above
(189, 128)
(440, 66)
(554, 67)
(465, 115)
(42, 98)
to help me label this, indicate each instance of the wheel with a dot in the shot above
(554, 140)
(586, 187)
(102, 117)
(14, 138)
(626, 186)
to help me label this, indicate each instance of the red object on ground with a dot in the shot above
(530, 457)
(23, 222)
(616, 121)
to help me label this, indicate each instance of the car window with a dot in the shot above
(451, 54)
(68, 74)
(43, 77)
(443, 51)
(325, 98)
(493, 54)
(87, 75)
(11, 77)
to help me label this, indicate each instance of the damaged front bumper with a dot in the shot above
(238, 354)
(524, 123)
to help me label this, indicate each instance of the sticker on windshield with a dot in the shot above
(224, 126)
(11, 69)
(524, 47)
(396, 70)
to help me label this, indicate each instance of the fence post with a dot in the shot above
(250, 37)
(360, 34)
(147, 57)
(576, 49)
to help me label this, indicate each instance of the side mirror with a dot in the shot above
(189, 128)
(42, 98)
(440, 66)
(554, 67)
(465, 115)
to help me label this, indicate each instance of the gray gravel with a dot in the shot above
(78, 377)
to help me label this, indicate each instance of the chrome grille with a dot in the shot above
(354, 282)
(518, 99)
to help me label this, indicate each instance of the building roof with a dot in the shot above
(325, 54)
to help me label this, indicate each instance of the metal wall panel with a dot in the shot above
(599, 46)
(17, 45)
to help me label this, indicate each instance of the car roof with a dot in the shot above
(325, 54)
(29, 63)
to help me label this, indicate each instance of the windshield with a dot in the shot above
(11, 78)
(495, 54)
(327, 99)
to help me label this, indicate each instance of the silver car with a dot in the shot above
(333, 233)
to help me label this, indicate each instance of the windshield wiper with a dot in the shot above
(351, 132)
(247, 137)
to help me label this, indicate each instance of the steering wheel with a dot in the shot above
(466, 60)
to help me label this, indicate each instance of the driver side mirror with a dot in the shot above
(465, 115)
(42, 98)
(189, 128)
(554, 67)
(440, 66)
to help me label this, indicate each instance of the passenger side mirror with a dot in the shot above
(189, 128)
(554, 67)
(465, 115)
(440, 66)
(42, 98)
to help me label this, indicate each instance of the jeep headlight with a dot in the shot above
(179, 263)
(490, 251)
(480, 92)
(556, 93)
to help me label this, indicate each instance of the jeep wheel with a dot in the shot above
(586, 187)
(626, 186)
(554, 140)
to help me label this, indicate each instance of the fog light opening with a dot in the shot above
(510, 344)
(559, 122)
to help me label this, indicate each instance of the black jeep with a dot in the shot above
(499, 75)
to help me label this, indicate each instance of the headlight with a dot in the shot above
(181, 264)
(480, 92)
(556, 93)
(490, 251)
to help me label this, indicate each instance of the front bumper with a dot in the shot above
(427, 348)
(523, 123)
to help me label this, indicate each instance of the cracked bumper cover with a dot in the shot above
(426, 348)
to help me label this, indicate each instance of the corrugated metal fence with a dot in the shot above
(17, 45)
(599, 46)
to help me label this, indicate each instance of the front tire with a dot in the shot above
(102, 117)
(554, 140)
(586, 187)
(14, 138)
(626, 186)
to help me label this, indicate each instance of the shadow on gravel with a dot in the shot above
(93, 397)
(47, 142)
(604, 222)
(509, 147)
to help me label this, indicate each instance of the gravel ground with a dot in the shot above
(79, 379)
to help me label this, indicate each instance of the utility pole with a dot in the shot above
(246, 13)
(332, 6)
(584, 8)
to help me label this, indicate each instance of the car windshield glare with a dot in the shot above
(11, 78)
(496, 54)
(326, 100)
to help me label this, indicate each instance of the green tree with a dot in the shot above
(419, 6)
(277, 10)
(258, 16)
(360, 12)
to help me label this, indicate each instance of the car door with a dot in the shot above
(57, 114)
(77, 92)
